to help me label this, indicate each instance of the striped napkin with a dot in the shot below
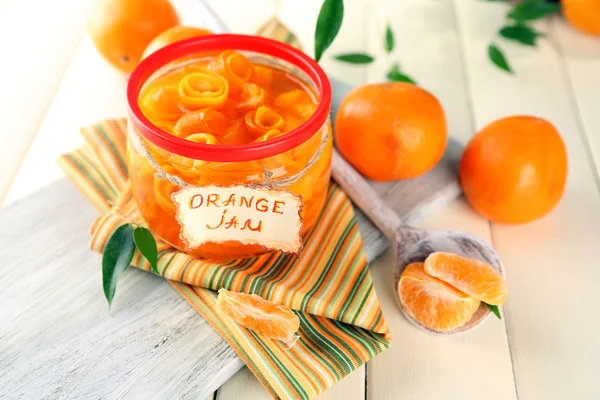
(329, 286)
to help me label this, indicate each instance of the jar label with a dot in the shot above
(246, 214)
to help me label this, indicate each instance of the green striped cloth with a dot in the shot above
(329, 286)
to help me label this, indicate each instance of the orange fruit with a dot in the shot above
(391, 130)
(172, 35)
(121, 29)
(583, 14)
(473, 277)
(264, 317)
(432, 302)
(514, 170)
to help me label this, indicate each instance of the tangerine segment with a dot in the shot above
(476, 278)
(267, 319)
(252, 96)
(432, 302)
(202, 121)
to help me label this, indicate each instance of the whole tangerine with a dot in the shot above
(172, 35)
(391, 130)
(583, 14)
(121, 29)
(514, 170)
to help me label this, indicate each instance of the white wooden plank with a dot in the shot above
(244, 385)
(419, 365)
(473, 365)
(58, 339)
(91, 91)
(37, 39)
(581, 56)
(551, 263)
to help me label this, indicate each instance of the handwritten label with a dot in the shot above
(249, 215)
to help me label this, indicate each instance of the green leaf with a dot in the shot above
(146, 244)
(396, 75)
(493, 309)
(117, 256)
(328, 25)
(529, 10)
(389, 39)
(355, 58)
(521, 33)
(498, 58)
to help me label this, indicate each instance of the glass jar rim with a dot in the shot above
(223, 153)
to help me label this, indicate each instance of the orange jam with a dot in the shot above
(227, 110)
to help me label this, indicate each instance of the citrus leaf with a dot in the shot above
(355, 58)
(146, 244)
(493, 309)
(529, 10)
(389, 39)
(328, 25)
(396, 75)
(498, 58)
(520, 33)
(117, 256)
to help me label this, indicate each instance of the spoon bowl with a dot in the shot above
(412, 244)
(415, 245)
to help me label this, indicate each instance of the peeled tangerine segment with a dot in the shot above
(252, 96)
(267, 319)
(476, 278)
(202, 121)
(162, 103)
(236, 133)
(432, 302)
(203, 89)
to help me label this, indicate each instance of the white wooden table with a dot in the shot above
(547, 346)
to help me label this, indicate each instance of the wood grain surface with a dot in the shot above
(58, 340)
(539, 350)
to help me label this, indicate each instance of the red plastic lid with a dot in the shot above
(247, 152)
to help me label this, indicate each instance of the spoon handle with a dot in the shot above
(365, 197)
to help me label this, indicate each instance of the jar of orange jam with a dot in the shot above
(229, 118)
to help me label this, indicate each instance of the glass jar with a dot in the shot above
(161, 164)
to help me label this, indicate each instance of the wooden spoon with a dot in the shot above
(412, 244)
